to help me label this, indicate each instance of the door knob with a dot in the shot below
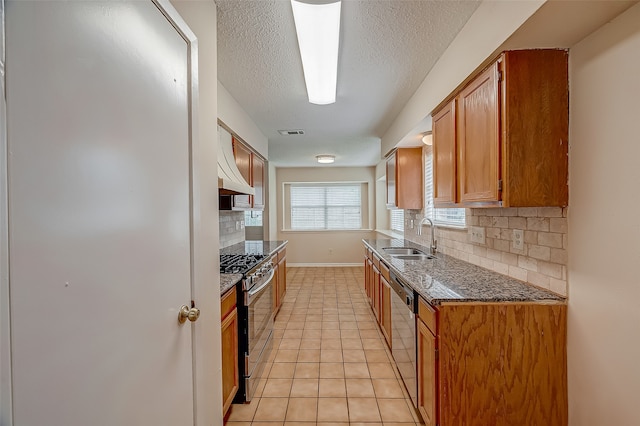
(188, 314)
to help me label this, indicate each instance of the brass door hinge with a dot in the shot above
(500, 185)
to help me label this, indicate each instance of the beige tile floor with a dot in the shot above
(330, 364)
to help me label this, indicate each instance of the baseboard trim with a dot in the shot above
(322, 265)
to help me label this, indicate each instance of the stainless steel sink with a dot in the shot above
(414, 256)
(396, 251)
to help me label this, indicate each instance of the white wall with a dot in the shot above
(604, 229)
(201, 18)
(325, 247)
(234, 116)
(270, 215)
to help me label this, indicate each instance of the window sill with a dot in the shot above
(452, 227)
(390, 233)
(323, 230)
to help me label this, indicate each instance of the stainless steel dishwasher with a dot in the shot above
(403, 334)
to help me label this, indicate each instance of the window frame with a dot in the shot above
(435, 213)
(287, 207)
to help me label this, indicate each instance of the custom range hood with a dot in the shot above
(230, 180)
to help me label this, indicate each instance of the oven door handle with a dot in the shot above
(259, 289)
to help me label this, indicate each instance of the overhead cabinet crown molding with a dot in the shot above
(502, 140)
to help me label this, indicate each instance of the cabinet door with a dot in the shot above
(276, 290)
(385, 309)
(391, 181)
(409, 178)
(426, 374)
(375, 283)
(444, 156)
(258, 182)
(370, 281)
(479, 138)
(243, 160)
(366, 277)
(282, 280)
(230, 374)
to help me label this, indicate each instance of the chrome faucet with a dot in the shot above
(434, 246)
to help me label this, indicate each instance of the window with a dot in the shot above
(397, 220)
(448, 217)
(325, 206)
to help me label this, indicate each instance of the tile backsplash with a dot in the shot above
(542, 260)
(229, 221)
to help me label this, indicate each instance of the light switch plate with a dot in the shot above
(518, 239)
(477, 234)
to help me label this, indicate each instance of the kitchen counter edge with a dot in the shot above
(448, 279)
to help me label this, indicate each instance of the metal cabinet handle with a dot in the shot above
(188, 314)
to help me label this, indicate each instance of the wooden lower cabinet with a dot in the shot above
(427, 368)
(230, 373)
(280, 278)
(378, 291)
(375, 300)
(385, 309)
(493, 364)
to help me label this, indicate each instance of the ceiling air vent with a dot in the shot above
(291, 132)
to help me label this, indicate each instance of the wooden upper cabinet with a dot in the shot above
(405, 179)
(510, 134)
(252, 169)
(258, 182)
(535, 128)
(444, 154)
(242, 156)
(478, 130)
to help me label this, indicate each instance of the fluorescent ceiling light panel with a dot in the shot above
(318, 29)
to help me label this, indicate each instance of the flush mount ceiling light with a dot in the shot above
(318, 30)
(325, 159)
(427, 139)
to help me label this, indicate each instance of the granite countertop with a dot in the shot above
(447, 279)
(247, 247)
(227, 281)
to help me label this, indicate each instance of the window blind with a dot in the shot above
(451, 217)
(325, 206)
(397, 220)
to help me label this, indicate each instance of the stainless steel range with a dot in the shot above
(255, 312)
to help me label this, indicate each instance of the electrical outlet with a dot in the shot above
(411, 224)
(518, 239)
(237, 225)
(477, 234)
(242, 224)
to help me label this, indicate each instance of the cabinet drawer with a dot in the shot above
(384, 270)
(376, 261)
(427, 314)
(228, 303)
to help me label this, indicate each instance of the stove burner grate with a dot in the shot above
(239, 263)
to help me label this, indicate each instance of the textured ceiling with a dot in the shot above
(386, 49)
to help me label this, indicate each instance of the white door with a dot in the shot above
(99, 214)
